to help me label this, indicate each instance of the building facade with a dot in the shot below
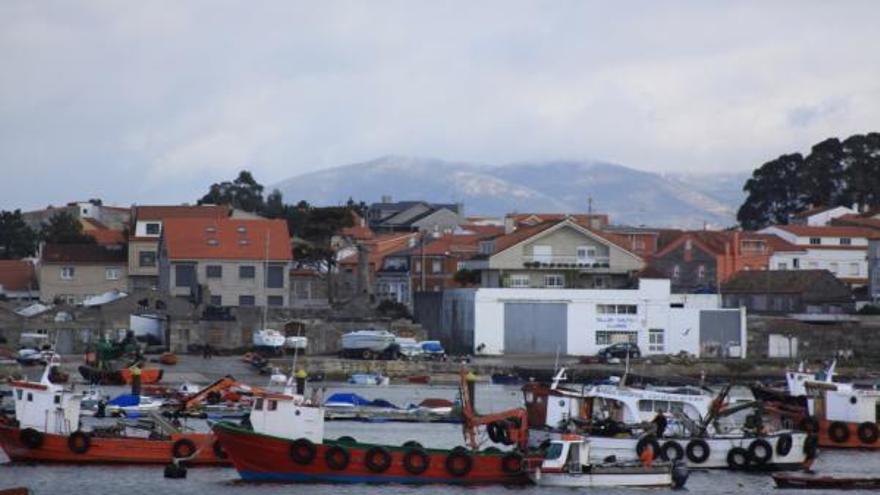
(874, 269)
(788, 292)
(226, 261)
(71, 273)
(838, 249)
(582, 322)
(18, 280)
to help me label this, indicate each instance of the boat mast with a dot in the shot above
(265, 315)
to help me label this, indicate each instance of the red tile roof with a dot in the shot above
(101, 233)
(830, 231)
(867, 222)
(226, 239)
(482, 230)
(812, 211)
(379, 247)
(718, 242)
(447, 244)
(17, 275)
(180, 211)
(84, 253)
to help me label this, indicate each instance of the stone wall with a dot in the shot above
(859, 339)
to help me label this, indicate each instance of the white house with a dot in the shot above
(821, 216)
(583, 321)
(838, 249)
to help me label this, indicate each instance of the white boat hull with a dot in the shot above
(624, 449)
(585, 480)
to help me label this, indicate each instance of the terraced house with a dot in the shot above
(226, 261)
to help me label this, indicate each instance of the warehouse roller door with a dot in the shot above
(535, 328)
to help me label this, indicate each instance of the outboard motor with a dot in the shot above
(680, 474)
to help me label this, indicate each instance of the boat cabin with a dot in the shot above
(288, 416)
(842, 403)
(45, 406)
(570, 454)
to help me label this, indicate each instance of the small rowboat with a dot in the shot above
(839, 481)
(421, 379)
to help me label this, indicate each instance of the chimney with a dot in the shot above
(509, 225)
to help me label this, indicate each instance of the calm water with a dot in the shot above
(95, 480)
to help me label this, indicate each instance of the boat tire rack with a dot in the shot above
(697, 451)
(31, 438)
(183, 448)
(79, 442)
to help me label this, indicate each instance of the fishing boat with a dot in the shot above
(803, 481)
(47, 428)
(287, 444)
(841, 415)
(566, 463)
(613, 418)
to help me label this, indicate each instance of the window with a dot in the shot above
(30, 397)
(487, 247)
(152, 228)
(247, 271)
(216, 300)
(619, 309)
(147, 258)
(436, 266)
(656, 340)
(272, 406)
(701, 272)
(676, 271)
(18, 394)
(57, 399)
(418, 266)
(67, 272)
(542, 254)
(854, 269)
(815, 241)
(258, 404)
(246, 300)
(599, 282)
(214, 271)
(520, 280)
(782, 266)
(111, 273)
(845, 241)
(275, 277)
(585, 254)
(795, 263)
(184, 275)
(554, 281)
(607, 337)
(833, 268)
(276, 301)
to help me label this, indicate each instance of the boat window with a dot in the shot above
(661, 404)
(554, 451)
(676, 407)
(18, 394)
(58, 399)
(646, 405)
(30, 397)
(273, 405)
(529, 397)
(258, 404)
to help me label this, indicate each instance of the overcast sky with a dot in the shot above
(152, 101)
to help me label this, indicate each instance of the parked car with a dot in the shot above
(620, 351)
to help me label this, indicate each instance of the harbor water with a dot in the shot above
(131, 480)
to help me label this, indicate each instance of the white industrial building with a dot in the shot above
(583, 321)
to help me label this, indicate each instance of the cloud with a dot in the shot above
(155, 100)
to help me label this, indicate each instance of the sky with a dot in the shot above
(151, 102)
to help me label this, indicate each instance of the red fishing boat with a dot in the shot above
(287, 444)
(46, 429)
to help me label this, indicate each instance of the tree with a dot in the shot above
(835, 173)
(64, 228)
(274, 206)
(17, 239)
(315, 228)
(244, 193)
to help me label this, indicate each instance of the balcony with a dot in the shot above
(569, 262)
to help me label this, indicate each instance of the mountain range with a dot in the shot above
(629, 196)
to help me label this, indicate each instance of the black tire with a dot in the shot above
(868, 432)
(31, 438)
(459, 463)
(838, 432)
(809, 424)
(760, 452)
(672, 451)
(412, 443)
(79, 442)
(183, 448)
(811, 447)
(416, 461)
(697, 451)
(219, 451)
(783, 444)
(346, 440)
(337, 458)
(492, 430)
(303, 451)
(738, 458)
(377, 459)
(512, 463)
(645, 442)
